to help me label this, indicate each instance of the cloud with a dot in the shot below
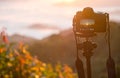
(43, 27)
(95, 3)
(13, 0)
(26, 13)
(116, 12)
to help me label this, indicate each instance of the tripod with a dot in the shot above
(87, 46)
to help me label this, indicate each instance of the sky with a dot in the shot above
(50, 16)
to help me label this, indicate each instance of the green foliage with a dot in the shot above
(16, 62)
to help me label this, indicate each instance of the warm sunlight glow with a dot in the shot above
(66, 1)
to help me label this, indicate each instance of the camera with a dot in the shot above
(88, 21)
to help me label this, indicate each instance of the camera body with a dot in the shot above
(87, 21)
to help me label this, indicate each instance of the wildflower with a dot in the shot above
(2, 50)
(9, 64)
(34, 69)
(22, 60)
(43, 64)
(37, 76)
(4, 37)
(25, 51)
(20, 46)
(42, 68)
(27, 56)
(6, 76)
(67, 69)
(16, 52)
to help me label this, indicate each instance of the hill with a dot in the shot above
(61, 48)
(55, 48)
(17, 38)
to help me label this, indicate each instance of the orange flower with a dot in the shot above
(67, 69)
(2, 50)
(22, 60)
(4, 37)
(21, 44)
(28, 57)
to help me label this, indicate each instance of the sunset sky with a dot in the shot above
(53, 15)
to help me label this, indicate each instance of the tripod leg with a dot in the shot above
(110, 61)
(111, 68)
(88, 68)
(80, 68)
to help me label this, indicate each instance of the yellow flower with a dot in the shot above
(37, 76)
(24, 50)
(43, 64)
(42, 68)
(6, 76)
(11, 55)
(9, 64)
(35, 69)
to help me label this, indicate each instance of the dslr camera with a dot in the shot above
(87, 21)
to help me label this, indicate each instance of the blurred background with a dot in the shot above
(41, 18)
(46, 26)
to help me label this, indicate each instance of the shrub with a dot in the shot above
(16, 62)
